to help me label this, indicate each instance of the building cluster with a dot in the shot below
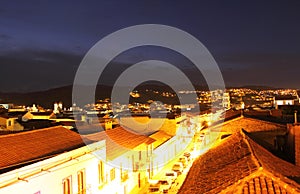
(262, 99)
(92, 149)
(244, 163)
(114, 160)
(119, 160)
(214, 98)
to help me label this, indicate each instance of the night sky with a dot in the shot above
(43, 42)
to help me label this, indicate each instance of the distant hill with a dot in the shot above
(64, 94)
(254, 87)
(48, 97)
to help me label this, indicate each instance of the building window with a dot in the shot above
(67, 188)
(81, 182)
(112, 174)
(140, 155)
(124, 174)
(101, 172)
(147, 151)
(9, 123)
(133, 167)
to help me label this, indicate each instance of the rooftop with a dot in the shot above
(24, 148)
(220, 167)
(285, 97)
(119, 141)
(160, 137)
(48, 113)
(239, 165)
(249, 124)
(261, 183)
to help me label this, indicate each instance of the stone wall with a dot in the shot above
(297, 146)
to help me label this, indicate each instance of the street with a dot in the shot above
(196, 149)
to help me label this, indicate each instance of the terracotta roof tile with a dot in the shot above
(26, 147)
(220, 167)
(240, 165)
(249, 124)
(160, 137)
(119, 141)
(273, 163)
(127, 138)
(113, 150)
(262, 182)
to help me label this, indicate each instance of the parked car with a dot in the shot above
(187, 155)
(201, 137)
(165, 185)
(154, 186)
(171, 175)
(178, 167)
(183, 160)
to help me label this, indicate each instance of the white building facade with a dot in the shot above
(77, 171)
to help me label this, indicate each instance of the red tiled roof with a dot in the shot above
(113, 150)
(239, 165)
(160, 137)
(128, 139)
(119, 141)
(249, 124)
(263, 184)
(220, 167)
(273, 163)
(27, 147)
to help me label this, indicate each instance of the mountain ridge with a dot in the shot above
(46, 98)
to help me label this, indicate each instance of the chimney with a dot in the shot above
(293, 142)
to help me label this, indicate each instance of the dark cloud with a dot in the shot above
(42, 43)
(31, 70)
(276, 69)
(5, 37)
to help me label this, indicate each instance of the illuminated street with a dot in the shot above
(195, 153)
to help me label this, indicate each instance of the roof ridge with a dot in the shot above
(238, 164)
(253, 155)
(264, 165)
